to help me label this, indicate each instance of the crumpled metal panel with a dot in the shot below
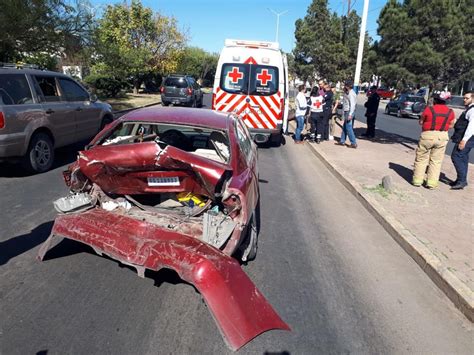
(115, 168)
(238, 307)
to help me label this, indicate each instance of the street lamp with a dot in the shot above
(278, 21)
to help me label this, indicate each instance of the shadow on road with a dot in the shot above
(63, 157)
(384, 137)
(16, 246)
(407, 173)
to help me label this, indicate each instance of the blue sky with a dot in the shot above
(209, 22)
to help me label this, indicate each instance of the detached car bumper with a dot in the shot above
(238, 307)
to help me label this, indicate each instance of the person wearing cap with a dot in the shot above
(463, 137)
(348, 106)
(435, 122)
(327, 110)
(372, 107)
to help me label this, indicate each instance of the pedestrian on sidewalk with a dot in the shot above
(327, 111)
(300, 112)
(321, 87)
(435, 122)
(349, 107)
(335, 107)
(372, 106)
(316, 118)
(463, 137)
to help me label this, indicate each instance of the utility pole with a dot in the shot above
(348, 7)
(278, 21)
(360, 52)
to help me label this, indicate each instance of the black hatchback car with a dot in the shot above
(181, 90)
(406, 105)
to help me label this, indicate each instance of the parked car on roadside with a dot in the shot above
(384, 93)
(181, 90)
(174, 188)
(406, 105)
(43, 110)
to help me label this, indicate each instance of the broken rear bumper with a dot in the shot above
(239, 308)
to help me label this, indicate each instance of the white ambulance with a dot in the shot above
(252, 81)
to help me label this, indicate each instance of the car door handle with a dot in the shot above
(49, 111)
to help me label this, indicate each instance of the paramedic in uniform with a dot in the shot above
(316, 118)
(435, 120)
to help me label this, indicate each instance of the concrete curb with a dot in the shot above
(457, 291)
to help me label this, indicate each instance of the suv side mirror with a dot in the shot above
(93, 97)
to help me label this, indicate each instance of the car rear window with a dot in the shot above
(415, 99)
(14, 90)
(249, 79)
(179, 83)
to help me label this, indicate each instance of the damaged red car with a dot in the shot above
(174, 188)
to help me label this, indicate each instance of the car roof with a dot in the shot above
(9, 70)
(180, 116)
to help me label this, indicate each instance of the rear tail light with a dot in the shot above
(162, 90)
(2, 120)
(213, 104)
(189, 91)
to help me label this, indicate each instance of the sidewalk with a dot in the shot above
(435, 227)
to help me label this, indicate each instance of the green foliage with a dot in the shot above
(105, 86)
(198, 63)
(42, 28)
(430, 42)
(326, 44)
(132, 42)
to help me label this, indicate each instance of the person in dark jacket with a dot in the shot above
(327, 110)
(372, 106)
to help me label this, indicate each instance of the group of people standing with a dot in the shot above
(321, 107)
(435, 122)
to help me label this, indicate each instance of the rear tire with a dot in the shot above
(164, 103)
(387, 111)
(250, 246)
(276, 140)
(40, 154)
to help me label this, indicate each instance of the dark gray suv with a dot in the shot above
(181, 90)
(43, 110)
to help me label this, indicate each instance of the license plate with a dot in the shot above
(176, 102)
(163, 181)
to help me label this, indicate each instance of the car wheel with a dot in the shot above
(200, 102)
(164, 103)
(276, 140)
(40, 155)
(194, 103)
(105, 122)
(387, 112)
(249, 252)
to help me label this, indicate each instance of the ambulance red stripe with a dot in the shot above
(264, 112)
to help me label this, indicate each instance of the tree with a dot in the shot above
(132, 42)
(326, 44)
(198, 63)
(431, 42)
(39, 30)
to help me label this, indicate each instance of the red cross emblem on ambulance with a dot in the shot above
(264, 77)
(235, 75)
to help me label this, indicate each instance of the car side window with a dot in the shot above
(245, 143)
(48, 87)
(72, 90)
(14, 90)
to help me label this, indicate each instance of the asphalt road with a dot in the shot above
(406, 127)
(331, 272)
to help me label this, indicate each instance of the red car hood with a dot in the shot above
(238, 307)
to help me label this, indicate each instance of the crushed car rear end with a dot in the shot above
(152, 199)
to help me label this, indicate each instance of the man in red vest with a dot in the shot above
(435, 122)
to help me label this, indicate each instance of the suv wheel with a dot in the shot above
(387, 112)
(40, 155)
(164, 103)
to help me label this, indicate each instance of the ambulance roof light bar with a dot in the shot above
(251, 44)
